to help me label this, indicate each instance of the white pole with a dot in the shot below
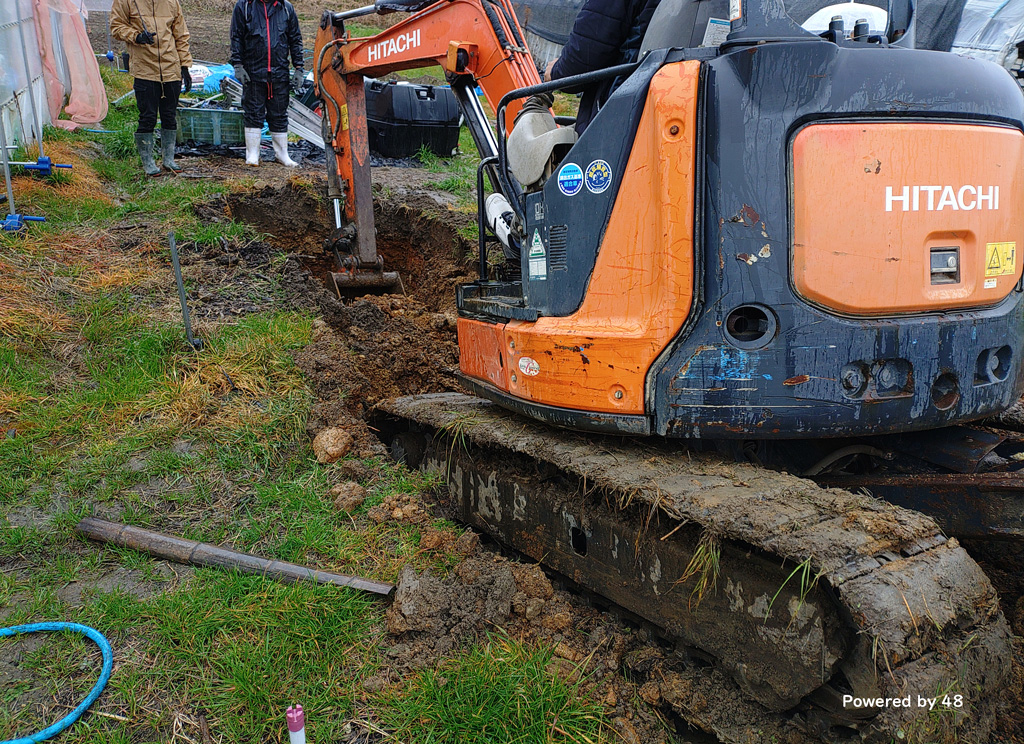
(7, 166)
(37, 120)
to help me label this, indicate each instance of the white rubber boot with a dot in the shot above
(280, 140)
(252, 146)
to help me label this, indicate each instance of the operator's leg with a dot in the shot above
(147, 99)
(277, 120)
(169, 123)
(254, 109)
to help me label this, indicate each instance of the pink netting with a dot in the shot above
(88, 101)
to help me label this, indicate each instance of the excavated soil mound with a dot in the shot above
(488, 596)
(365, 348)
(371, 349)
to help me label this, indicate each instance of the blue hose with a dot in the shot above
(108, 663)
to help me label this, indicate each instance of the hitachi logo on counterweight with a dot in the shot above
(937, 198)
(388, 47)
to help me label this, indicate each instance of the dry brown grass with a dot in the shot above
(227, 386)
(43, 274)
(83, 181)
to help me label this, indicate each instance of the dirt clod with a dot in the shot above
(331, 445)
(348, 496)
(401, 507)
(438, 540)
(651, 693)
(558, 621)
(623, 727)
(356, 470)
(423, 602)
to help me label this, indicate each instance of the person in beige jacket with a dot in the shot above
(157, 40)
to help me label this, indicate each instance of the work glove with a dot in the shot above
(298, 78)
(145, 37)
(241, 75)
(186, 79)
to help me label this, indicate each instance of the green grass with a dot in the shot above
(498, 692)
(113, 413)
(457, 175)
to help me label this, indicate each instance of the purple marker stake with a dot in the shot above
(296, 725)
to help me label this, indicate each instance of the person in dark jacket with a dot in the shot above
(263, 35)
(606, 33)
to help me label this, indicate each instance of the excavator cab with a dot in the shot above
(788, 235)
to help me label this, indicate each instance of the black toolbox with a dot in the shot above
(402, 117)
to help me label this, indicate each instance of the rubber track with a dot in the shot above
(927, 620)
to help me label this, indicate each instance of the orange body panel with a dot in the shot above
(641, 290)
(916, 186)
(480, 351)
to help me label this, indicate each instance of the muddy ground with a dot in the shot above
(368, 349)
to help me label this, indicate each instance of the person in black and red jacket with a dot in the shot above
(264, 33)
(606, 33)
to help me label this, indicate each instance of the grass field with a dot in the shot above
(106, 411)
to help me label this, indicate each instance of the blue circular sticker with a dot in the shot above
(599, 176)
(570, 179)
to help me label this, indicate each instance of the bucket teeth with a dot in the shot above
(380, 281)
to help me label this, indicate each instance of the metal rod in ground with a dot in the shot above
(7, 167)
(195, 553)
(195, 343)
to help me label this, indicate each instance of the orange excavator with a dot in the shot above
(774, 279)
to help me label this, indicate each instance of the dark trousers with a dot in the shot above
(154, 98)
(266, 100)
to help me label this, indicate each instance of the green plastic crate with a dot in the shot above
(211, 126)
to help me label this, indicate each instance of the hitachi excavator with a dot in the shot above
(778, 252)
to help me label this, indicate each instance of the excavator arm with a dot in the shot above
(476, 42)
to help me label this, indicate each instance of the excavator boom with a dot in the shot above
(476, 42)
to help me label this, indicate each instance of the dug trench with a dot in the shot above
(373, 348)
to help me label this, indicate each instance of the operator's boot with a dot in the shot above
(168, 138)
(280, 140)
(252, 146)
(144, 144)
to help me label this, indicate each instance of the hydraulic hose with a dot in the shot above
(108, 663)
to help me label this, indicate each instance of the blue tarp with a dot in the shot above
(217, 73)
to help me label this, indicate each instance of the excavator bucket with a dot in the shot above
(360, 268)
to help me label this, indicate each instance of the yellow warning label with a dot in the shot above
(344, 128)
(1000, 259)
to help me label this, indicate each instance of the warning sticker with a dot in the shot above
(1000, 259)
(538, 258)
(715, 32)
